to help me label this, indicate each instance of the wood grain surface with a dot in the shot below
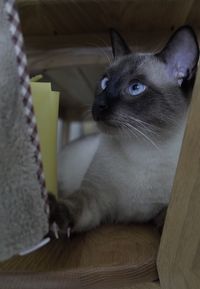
(179, 257)
(154, 285)
(65, 17)
(52, 27)
(108, 257)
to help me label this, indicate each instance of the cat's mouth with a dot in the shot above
(104, 121)
(108, 127)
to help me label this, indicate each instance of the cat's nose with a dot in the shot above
(99, 110)
(103, 106)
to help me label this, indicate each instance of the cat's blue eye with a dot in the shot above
(104, 83)
(136, 88)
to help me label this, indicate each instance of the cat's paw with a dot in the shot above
(60, 219)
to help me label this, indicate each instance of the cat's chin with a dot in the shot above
(108, 128)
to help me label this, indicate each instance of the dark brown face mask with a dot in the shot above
(139, 89)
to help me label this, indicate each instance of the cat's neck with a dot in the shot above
(145, 143)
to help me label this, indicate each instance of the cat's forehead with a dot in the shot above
(127, 64)
(146, 65)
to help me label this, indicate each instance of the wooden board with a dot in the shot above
(108, 257)
(179, 257)
(60, 33)
(153, 285)
(64, 17)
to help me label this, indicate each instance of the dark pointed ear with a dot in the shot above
(181, 54)
(119, 46)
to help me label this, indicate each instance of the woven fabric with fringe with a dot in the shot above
(24, 81)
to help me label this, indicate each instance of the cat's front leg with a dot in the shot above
(59, 216)
(79, 211)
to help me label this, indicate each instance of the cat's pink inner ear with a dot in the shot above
(181, 54)
(179, 74)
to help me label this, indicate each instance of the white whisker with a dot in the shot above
(145, 136)
(141, 124)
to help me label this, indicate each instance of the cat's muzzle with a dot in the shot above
(100, 111)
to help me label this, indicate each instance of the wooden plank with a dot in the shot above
(50, 17)
(137, 39)
(49, 52)
(109, 257)
(61, 33)
(153, 285)
(178, 261)
(194, 15)
(39, 61)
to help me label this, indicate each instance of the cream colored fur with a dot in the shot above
(118, 179)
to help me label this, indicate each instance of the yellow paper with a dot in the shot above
(45, 102)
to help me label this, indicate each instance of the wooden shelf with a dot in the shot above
(64, 17)
(61, 33)
(108, 257)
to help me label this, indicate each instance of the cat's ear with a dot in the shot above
(119, 46)
(181, 54)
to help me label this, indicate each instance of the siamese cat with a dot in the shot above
(125, 173)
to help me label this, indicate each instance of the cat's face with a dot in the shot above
(146, 94)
